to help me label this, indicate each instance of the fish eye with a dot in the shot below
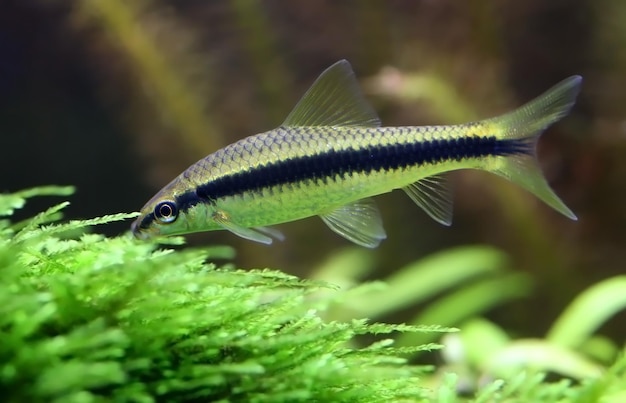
(166, 212)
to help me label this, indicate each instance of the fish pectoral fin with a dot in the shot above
(334, 99)
(434, 196)
(272, 232)
(358, 222)
(248, 233)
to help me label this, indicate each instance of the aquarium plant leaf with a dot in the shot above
(426, 278)
(542, 355)
(13, 201)
(469, 301)
(588, 312)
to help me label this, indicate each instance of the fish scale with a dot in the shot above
(328, 159)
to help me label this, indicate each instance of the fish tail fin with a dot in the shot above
(521, 129)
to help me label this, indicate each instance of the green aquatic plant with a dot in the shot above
(452, 286)
(483, 359)
(85, 317)
(162, 54)
(571, 347)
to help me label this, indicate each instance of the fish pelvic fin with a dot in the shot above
(524, 126)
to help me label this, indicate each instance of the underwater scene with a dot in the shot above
(272, 201)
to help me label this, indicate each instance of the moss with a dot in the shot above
(84, 318)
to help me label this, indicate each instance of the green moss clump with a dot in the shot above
(87, 318)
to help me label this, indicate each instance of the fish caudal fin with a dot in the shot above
(526, 124)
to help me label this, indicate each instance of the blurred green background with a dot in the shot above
(119, 97)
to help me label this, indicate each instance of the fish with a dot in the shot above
(331, 156)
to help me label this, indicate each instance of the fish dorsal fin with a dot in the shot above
(358, 222)
(334, 99)
(434, 196)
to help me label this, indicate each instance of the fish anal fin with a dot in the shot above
(434, 195)
(359, 222)
(334, 99)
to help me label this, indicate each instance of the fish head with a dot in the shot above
(171, 211)
(159, 215)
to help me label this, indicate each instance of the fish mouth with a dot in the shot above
(140, 233)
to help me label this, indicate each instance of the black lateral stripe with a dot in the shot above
(145, 223)
(332, 163)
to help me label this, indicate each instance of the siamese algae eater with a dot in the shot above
(330, 156)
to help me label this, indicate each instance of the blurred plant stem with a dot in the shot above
(176, 98)
(486, 29)
(429, 87)
(273, 78)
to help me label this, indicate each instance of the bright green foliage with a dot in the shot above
(456, 285)
(479, 278)
(84, 318)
